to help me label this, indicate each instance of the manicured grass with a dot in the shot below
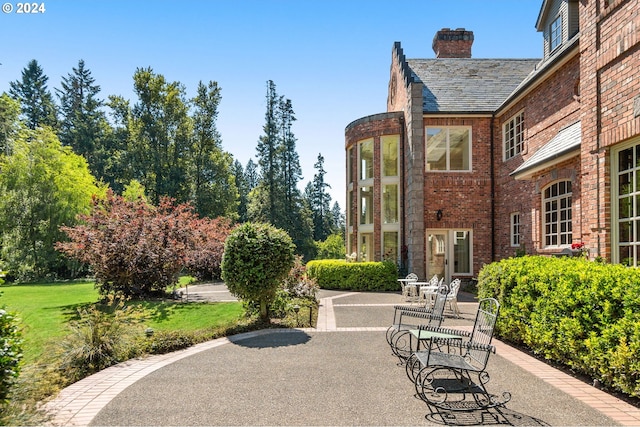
(171, 316)
(46, 309)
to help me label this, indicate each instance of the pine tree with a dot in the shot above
(251, 175)
(243, 190)
(35, 99)
(338, 225)
(83, 124)
(268, 152)
(320, 202)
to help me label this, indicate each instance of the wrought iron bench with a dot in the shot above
(450, 373)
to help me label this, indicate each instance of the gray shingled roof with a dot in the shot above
(566, 141)
(466, 85)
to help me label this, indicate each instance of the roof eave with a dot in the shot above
(549, 66)
(528, 172)
(541, 15)
(457, 113)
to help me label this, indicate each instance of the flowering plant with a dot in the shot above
(580, 248)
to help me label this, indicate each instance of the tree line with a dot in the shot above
(56, 153)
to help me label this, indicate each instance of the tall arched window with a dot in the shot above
(556, 202)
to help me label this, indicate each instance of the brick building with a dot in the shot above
(476, 160)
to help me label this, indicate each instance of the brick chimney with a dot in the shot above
(448, 43)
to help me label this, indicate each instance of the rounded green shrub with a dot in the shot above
(257, 258)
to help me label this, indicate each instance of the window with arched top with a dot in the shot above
(556, 204)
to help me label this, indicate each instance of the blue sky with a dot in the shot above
(330, 57)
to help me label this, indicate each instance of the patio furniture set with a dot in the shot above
(446, 366)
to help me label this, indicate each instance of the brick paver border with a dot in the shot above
(79, 403)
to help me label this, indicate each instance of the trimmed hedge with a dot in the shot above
(354, 276)
(582, 314)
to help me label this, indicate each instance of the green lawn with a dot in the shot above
(44, 311)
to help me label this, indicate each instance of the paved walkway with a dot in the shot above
(340, 373)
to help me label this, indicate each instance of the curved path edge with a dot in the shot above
(79, 403)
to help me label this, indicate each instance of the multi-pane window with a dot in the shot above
(350, 165)
(628, 206)
(390, 246)
(366, 205)
(557, 214)
(555, 33)
(389, 155)
(390, 204)
(448, 149)
(515, 229)
(366, 247)
(366, 159)
(513, 135)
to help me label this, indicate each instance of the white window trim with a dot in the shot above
(615, 223)
(470, 128)
(512, 234)
(505, 149)
(544, 215)
(559, 19)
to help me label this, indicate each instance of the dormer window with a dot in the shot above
(555, 33)
(559, 20)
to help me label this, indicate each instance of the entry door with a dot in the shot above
(449, 253)
(438, 254)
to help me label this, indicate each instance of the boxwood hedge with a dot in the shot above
(354, 276)
(583, 314)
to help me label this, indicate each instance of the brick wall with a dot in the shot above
(610, 88)
(464, 197)
(549, 107)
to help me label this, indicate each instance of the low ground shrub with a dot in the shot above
(10, 352)
(355, 276)
(583, 314)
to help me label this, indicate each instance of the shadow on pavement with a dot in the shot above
(494, 416)
(284, 338)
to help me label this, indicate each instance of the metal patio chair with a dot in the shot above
(452, 297)
(450, 373)
(407, 318)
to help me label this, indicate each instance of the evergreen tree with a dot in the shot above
(320, 202)
(35, 99)
(243, 190)
(215, 189)
(251, 175)
(290, 163)
(338, 220)
(83, 124)
(269, 148)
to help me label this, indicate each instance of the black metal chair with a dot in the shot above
(450, 373)
(408, 318)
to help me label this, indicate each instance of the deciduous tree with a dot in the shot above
(44, 186)
(215, 190)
